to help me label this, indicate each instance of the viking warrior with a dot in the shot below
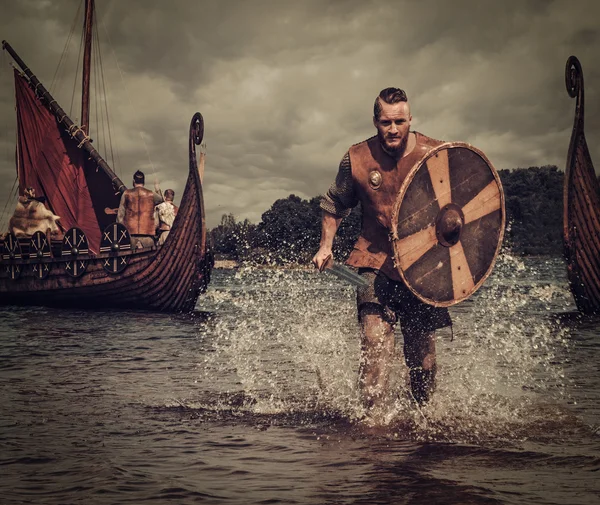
(136, 212)
(164, 215)
(372, 173)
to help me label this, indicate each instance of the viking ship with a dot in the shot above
(581, 201)
(95, 264)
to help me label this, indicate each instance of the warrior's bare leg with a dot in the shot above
(377, 350)
(419, 353)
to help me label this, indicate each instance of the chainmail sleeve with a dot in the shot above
(341, 198)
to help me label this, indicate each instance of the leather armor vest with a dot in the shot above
(377, 194)
(139, 211)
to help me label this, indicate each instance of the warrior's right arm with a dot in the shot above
(335, 205)
(341, 197)
(329, 226)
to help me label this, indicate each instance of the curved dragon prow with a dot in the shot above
(196, 137)
(574, 83)
(581, 205)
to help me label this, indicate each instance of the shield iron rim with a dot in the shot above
(396, 211)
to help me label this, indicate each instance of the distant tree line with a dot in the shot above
(534, 209)
(289, 232)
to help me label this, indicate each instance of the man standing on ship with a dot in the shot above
(136, 212)
(164, 216)
(372, 173)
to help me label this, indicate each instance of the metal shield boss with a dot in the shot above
(448, 223)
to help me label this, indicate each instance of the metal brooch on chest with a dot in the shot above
(375, 179)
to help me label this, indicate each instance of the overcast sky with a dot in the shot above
(285, 87)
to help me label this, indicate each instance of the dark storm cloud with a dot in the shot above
(286, 87)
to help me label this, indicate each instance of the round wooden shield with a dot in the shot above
(448, 223)
(115, 238)
(39, 248)
(75, 245)
(11, 252)
(11, 249)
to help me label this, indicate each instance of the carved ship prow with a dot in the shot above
(581, 204)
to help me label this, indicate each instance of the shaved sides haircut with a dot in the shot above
(389, 96)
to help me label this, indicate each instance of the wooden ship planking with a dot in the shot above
(581, 205)
(98, 269)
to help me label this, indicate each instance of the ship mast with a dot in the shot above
(87, 56)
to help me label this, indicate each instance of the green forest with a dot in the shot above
(289, 232)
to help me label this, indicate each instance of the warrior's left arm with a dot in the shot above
(121, 211)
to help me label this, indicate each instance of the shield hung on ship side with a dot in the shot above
(448, 223)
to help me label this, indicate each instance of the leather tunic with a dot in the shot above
(139, 211)
(373, 248)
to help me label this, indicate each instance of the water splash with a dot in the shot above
(289, 340)
(504, 373)
(286, 341)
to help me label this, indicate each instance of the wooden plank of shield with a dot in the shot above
(448, 223)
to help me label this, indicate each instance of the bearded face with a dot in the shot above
(395, 147)
(393, 126)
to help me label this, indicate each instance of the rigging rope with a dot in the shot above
(105, 95)
(94, 97)
(129, 98)
(100, 125)
(76, 73)
(10, 197)
(63, 56)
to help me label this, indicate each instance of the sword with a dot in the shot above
(344, 273)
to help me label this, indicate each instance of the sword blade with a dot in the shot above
(346, 274)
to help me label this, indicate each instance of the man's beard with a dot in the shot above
(394, 151)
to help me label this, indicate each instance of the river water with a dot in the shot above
(253, 399)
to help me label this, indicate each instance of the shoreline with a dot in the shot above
(226, 264)
(234, 265)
